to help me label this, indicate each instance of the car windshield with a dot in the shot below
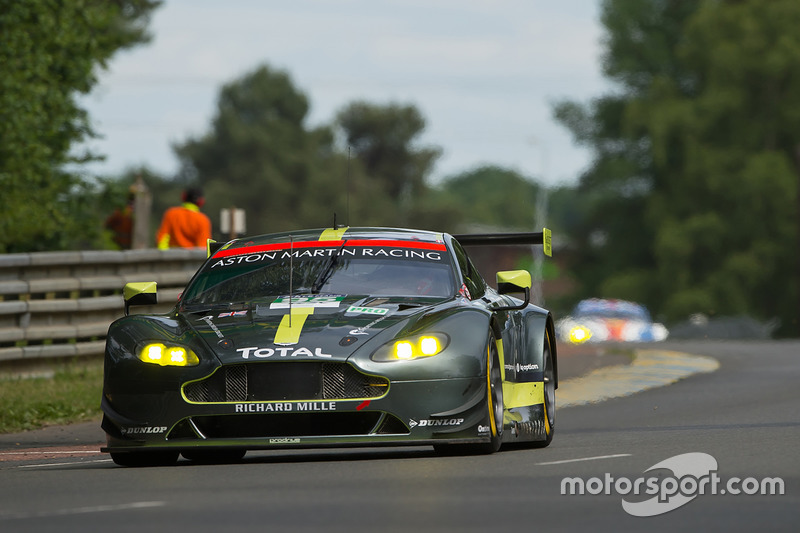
(379, 270)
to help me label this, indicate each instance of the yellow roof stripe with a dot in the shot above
(333, 234)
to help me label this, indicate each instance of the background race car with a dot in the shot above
(599, 320)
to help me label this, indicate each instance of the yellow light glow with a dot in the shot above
(429, 345)
(154, 352)
(404, 350)
(159, 354)
(579, 334)
(412, 347)
(177, 356)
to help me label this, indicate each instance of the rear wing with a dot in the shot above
(496, 239)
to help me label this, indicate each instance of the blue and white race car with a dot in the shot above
(600, 320)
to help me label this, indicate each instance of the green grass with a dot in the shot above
(71, 395)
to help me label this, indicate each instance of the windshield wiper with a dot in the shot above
(200, 307)
(327, 272)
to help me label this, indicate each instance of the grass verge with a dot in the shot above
(71, 394)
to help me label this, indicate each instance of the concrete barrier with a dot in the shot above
(60, 304)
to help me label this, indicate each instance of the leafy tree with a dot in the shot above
(258, 155)
(50, 52)
(614, 255)
(495, 196)
(383, 140)
(729, 221)
(694, 184)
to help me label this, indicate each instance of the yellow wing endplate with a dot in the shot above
(547, 242)
(543, 237)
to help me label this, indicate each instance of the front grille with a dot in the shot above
(285, 381)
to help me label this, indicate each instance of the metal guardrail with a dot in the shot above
(60, 304)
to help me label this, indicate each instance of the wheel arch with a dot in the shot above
(551, 333)
(539, 326)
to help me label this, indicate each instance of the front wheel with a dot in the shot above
(494, 377)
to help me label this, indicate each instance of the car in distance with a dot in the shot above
(328, 338)
(600, 320)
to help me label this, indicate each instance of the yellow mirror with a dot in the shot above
(140, 293)
(513, 281)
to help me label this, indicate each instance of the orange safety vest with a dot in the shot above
(183, 227)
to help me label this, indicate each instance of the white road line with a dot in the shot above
(66, 464)
(83, 510)
(584, 459)
(44, 452)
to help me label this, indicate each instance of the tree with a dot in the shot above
(259, 156)
(694, 180)
(382, 138)
(50, 52)
(494, 196)
(614, 255)
(733, 236)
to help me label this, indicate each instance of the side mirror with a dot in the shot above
(143, 293)
(514, 281)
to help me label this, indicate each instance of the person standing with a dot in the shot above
(185, 226)
(120, 223)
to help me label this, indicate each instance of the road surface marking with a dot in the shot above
(584, 459)
(66, 464)
(82, 510)
(649, 369)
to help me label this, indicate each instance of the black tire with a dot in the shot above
(494, 377)
(494, 399)
(214, 456)
(160, 458)
(549, 418)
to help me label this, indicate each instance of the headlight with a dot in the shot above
(160, 354)
(409, 348)
(579, 334)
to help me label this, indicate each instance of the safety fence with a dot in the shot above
(60, 304)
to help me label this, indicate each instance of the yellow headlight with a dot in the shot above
(153, 353)
(579, 334)
(429, 345)
(159, 354)
(404, 350)
(412, 348)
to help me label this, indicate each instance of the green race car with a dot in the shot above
(328, 338)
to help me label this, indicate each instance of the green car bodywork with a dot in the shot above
(337, 337)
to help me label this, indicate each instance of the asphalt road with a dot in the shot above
(743, 417)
